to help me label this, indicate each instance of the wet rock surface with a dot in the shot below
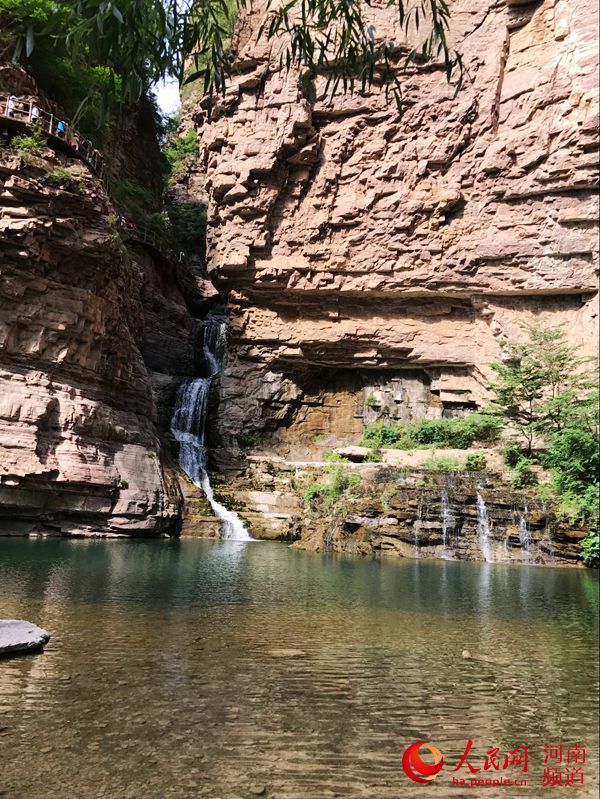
(20, 637)
(404, 511)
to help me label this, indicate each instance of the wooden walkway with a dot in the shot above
(22, 115)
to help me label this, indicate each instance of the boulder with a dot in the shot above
(18, 636)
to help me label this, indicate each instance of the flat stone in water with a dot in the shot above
(17, 635)
(287, 653)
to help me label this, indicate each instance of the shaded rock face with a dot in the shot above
(80, 451)
(455, 517)
(360, 249)
(412, 513)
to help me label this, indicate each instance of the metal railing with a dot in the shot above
(131, 230)
(62, 134)
(28, 113)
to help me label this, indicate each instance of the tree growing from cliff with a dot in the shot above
(543, 386)
(142, 41)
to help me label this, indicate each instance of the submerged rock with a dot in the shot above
(21, 636)
(484, 659)
(287, 653)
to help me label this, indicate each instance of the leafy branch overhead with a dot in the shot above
(142, 41)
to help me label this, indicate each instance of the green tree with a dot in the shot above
(543, 386)
(141, 41)
(574, 458)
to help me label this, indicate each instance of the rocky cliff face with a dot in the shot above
(449, 516)
(92, 334)
(365, 252)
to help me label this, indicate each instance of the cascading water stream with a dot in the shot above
(483, 529)
(447, 521)
(524, 534)
(188, 423)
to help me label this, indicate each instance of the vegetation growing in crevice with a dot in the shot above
(340, 484)
(62, 177)
(29, 144)
(458, 433)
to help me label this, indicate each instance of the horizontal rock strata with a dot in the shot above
(356, 245)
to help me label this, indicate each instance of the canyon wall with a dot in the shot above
(94, 338)
(365, 252)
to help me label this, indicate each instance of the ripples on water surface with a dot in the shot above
(158, 680)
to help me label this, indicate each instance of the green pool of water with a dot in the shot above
(163, 679)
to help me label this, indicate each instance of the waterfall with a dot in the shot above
(417, 529)
(188, 423)
(483, 529)
(524, 534)
(447, 519)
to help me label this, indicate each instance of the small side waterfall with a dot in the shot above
(188, 423)
(417, 529)
(483, 529)
(524, 534)
(448, 521)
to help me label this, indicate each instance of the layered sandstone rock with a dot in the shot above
(452, 516)
(404, 509)
(366, 252)
(80, 451)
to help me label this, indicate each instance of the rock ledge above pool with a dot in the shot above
(20, 637)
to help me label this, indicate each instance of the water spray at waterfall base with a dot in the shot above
(188, 426)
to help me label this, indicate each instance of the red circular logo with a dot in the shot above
(416, 768)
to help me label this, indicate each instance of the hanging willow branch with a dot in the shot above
(143, 41)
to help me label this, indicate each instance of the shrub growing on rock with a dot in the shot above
(60, 176)
(340, 484)
(476, 463)
(29, 144)
(441, 464)
(459, 433)
(591, 549)
(523, 475)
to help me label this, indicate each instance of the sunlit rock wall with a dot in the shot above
(354, 245)
(80, 451)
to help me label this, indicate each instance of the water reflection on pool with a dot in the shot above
(163, 676)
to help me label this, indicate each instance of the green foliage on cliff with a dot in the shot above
(142, 41)
(459, 433)
(475, 463)
(28, 144)
(543, 386)
(60, 176)
(574, 458)
(187, 226)
(547, 393)
(181, 151)
(134, 199)
(340, 484)
(444, 464)
(522, 475)
(591, 549)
